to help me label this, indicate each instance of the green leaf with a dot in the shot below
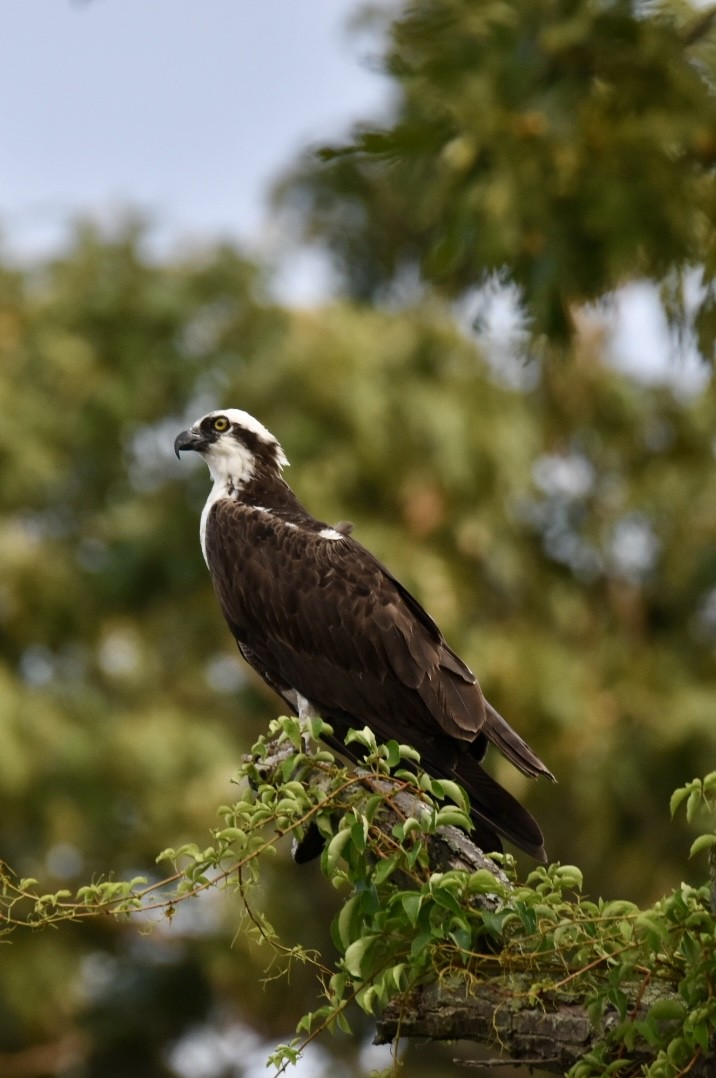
(462, 937)
(484, 882)
(359, 833)
(494, 921)
(678, 1051)
(619, 908)
(667, 1010)
(293, 730)
(420, 944)
(528, 917)
(451, 816)
(617, 997)
(678, 797)
(364, 737)
(346, 921)
(368, 997)
(702, 1032)
(334, 850)
(401, 831)
(570, 876)
(455, 793)
(703, 842)
(392, 754)
(692, 803)
(407, 752)
(343, 1024)
(355, 955)
(319, 728)
(412, 904)
(656, 929)
(445, 898)
(384, 869)
(709, 782)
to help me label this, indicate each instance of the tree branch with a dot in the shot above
(552, 1036)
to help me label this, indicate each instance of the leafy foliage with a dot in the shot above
(565, 145)
(402, 923)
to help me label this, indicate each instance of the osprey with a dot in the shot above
(335, 634)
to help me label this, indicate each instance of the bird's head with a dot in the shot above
(234, 445)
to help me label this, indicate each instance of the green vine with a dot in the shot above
(402, 924)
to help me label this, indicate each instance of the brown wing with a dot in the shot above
(325, 618)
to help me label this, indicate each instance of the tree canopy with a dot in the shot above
(565, 147)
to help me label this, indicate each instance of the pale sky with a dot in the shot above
(186, 109)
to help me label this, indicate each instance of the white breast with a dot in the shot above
(217, 492)
(231, 466)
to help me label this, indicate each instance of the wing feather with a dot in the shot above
(323, 618)
(327, 618)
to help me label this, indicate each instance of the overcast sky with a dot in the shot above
(183, 108)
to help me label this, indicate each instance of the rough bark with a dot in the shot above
(550, 1040)
(551, 1037)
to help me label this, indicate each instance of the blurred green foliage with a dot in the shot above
(557, 518)
(564, 145)
(563, 532)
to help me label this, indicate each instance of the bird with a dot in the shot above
(331, 630)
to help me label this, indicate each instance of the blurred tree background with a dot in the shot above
(557, 517)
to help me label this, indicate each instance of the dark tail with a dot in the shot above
(496, 810)
(511, 745)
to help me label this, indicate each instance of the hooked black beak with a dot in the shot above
(188, 439)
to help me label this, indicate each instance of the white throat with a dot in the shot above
(230, 463)
(231, 467)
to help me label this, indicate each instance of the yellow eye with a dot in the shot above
(220, 424)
